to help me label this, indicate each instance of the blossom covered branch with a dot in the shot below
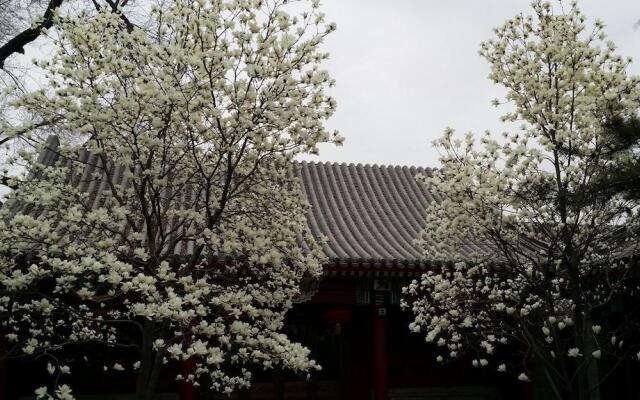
(532, 258)
(177, 226)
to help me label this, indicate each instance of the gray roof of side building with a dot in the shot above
(370, 215)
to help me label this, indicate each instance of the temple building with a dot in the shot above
(353, 323)
(351, 319)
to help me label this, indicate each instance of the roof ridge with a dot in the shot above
(365, 165)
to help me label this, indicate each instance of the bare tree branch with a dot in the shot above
(17, 43)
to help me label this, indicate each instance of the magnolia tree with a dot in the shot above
(531, 256)
(177, 231)
(23, 22)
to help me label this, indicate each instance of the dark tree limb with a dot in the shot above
(116, 7)
(9, 182)
(17, 43)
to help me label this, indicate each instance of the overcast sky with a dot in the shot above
(406, 69)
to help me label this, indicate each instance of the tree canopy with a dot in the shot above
(550, 254)
(172, 224)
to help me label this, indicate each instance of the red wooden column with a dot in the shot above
(188, 367)
(339, 318)
(379, 375)
(187, 390)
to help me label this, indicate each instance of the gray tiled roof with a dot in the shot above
(369, 215)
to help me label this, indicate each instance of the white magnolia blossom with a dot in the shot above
(60, 392)
(63, 392)
(40, 392)
(524, 256)
(574, 352)
(192, 235)
(523, 377)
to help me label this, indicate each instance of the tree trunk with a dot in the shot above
(592, 377)
(587, 386)
(544, 387)
(278, 384)
(587, 375)
(150, 364)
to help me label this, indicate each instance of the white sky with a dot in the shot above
(406, 69)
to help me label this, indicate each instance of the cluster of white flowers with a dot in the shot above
(179, 215)
(536, 256)
(61, 392)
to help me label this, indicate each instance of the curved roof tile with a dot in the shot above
(369, 214)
